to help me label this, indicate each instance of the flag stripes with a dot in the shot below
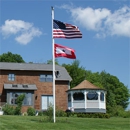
(64, 30)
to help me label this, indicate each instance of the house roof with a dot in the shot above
(85, 85)
(36, 67)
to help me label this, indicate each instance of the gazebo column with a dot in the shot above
(99, 98)
(85, 99)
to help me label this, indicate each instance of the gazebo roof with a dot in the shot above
(86, 85)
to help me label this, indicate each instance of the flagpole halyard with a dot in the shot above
(53, 60)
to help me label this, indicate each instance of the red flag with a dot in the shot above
(62, 51)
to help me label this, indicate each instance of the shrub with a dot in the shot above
(49, 113)
(40, 113)
(8, 110)
(60, 113)
(45, 112)
(101, 115)
(106, 115)
(68, 112)
(117, 111)
(31, 111)
(125, 114)
(128, 113)
(19, 102)
(93, 115)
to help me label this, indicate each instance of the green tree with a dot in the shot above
(77, 72)
(94, 78)
(50, 62)
(9, 57)
(117, 93)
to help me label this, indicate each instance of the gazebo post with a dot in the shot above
(85, 99)
(99, 98)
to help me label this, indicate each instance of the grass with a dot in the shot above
(62, 123)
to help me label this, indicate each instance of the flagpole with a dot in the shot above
(53, 60)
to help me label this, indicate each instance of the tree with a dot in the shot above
(94, 78)
(77, 72)
(9, 57)
(117, 93)
(50, 62)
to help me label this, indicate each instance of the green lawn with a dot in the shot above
(62, 123)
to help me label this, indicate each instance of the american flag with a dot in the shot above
(65, 30)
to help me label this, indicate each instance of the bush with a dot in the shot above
(49, 113)
(93, 115)
(101, 115)
(128, 113)
(31, 111)
(60, 113)
(19, 102)
(118, 111)
(106, 115)
(40, 113)
(125, 114)
(8, 110)
(70, 113)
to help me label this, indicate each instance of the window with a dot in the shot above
(102, 96)
(78, 96)
(46, 78)
(92, 96)
(14, 95)
(42, 78)
(47, 101)
(11, 77)
(49, 78)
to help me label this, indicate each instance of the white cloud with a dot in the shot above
(89, 18)
(27, 36)
(103, 21)
(118, 23)
(24, 31)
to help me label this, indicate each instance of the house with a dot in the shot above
(87, 98)
(36, 82)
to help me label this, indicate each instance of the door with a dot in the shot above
(47, 100)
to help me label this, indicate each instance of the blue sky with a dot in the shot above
(26, 29)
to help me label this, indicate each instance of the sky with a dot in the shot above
(26, 29)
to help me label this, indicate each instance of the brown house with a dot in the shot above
(35, 81)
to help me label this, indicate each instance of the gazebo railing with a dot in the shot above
(92, 104)
(78, 104)
(89, 104)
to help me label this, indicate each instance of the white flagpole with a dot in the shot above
(53, 56)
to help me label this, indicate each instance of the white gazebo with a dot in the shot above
(87, 98)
